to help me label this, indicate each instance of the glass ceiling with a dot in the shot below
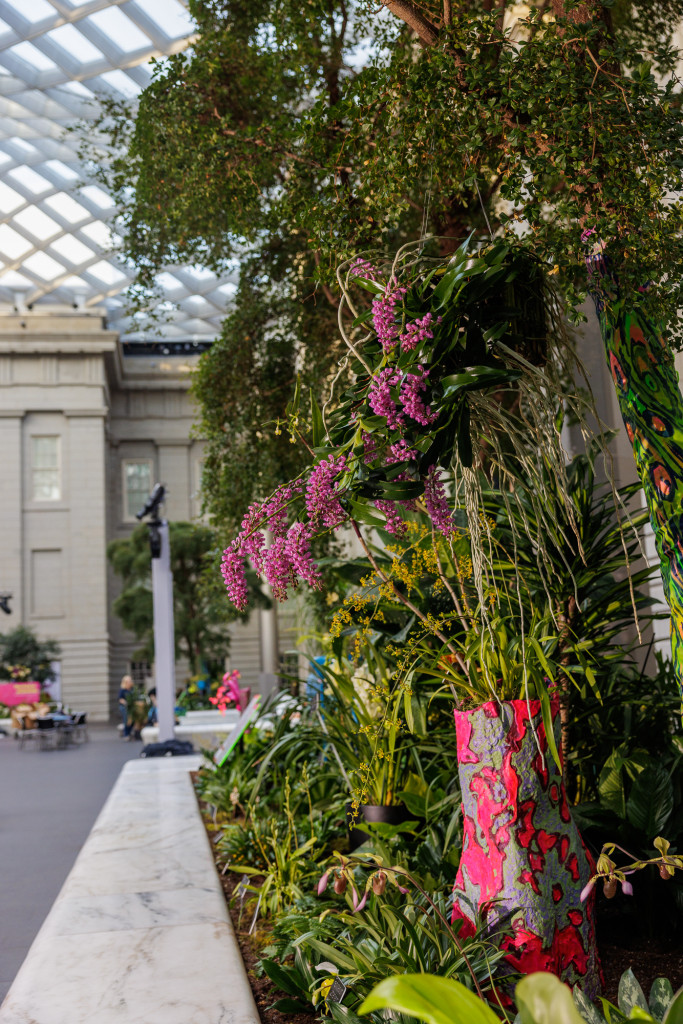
(56, 243)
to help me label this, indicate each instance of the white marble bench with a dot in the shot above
(205, 730)
(140, 933)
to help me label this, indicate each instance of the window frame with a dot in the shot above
(33, 468)
(127, 516)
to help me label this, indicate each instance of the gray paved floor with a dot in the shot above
(49, 801)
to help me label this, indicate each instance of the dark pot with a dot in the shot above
(386, 814)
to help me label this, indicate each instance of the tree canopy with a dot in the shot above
(293, 134)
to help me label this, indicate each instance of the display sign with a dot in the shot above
(12, 694)
(233, 738)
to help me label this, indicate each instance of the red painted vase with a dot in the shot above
(523, 862)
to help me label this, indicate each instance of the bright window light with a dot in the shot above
(72, 249)
(120, 29)
(100, 234)
(121, 82)
(106, 273)
(199, 273)
(9, 199)
(75, 44)
(31, 181)
(12, 244)
(97, 196)
(66, 207)
(171, 17)
(37, 223)
(43, 265)
(33, 10)
(11, 279)
(33, 56)
(168, 282)
(4, 28)
(78, 88)
(57, 167)
(24, 146)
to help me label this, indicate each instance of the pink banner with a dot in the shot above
(12, 694)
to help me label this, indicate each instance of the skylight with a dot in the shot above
(12, 244)
(66, 207)
(72, 249)
(120, 29)
(33, 56)
(58, 59)
(171, 17)
(44, 266)
(75, 44)
(32, 10)
(9, 199)
(37, 223)
(30, 180)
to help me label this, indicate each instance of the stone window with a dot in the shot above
(137, 484)
(46, 470)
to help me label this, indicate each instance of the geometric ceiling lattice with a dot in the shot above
(56, 242)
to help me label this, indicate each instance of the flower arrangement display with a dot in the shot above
(228, 692)
(458, 376)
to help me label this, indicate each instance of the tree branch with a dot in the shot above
(407, 12)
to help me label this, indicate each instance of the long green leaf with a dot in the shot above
(432, 999)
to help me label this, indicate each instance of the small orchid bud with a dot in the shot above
(362, 903)
(322, 884)
(379, 883)
(627, 888)
(587, 890)
(340, 884)
(610, 888)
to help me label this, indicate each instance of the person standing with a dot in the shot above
(124, 694)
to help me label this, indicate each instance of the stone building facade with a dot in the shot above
(84, 432)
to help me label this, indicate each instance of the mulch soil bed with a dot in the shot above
(620, 948)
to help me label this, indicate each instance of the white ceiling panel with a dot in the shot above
(57, 233)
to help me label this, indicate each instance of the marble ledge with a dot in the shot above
(140, 933)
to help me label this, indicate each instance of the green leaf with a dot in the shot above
(432, 999)
(542, 999)
(630, 993)
(281, 978)
(402, 490)
(363, 514)
(317, 427)
(586, 1008)
(674, 1015)
(477, 378)
(661, 995)
(547, 715)
(651, 801)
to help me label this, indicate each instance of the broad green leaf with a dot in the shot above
(661, 995)
(650, 801)
(586, 1008)
(674, 1015)
(363, 514)
(630, 993)
(543, 999)
(432, 999)
(402, 490)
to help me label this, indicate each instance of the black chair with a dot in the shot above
(80, 727)
(47, 732)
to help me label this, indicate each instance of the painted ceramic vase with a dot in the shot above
(523, 862)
